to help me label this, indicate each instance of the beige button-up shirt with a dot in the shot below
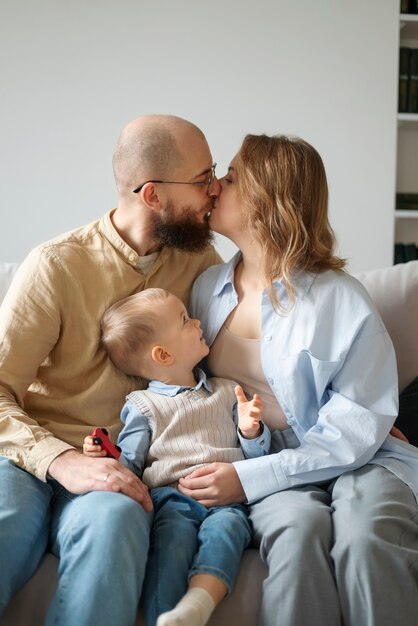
(56, 382)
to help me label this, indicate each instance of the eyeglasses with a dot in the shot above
(203, 183)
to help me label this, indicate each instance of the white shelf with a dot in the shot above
(408, 118)
(406, 215)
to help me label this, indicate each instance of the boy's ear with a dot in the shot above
(151, 197)
(161, 356)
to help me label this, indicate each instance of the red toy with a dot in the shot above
(101, 438)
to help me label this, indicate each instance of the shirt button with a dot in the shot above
(271, 381)
(132, 257)
(267, 338)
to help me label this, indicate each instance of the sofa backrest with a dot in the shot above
(395, 293)
(394, 290)
(7, 271)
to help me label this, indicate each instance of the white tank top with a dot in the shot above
(238, 358)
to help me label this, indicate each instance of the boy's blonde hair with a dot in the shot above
(283, 188)
(129, 328)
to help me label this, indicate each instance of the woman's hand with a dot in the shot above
(216, 484)
(395, 432)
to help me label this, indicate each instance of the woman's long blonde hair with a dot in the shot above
(283, 188)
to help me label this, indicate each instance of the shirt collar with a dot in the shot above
(226, 274)
(303, 280)
(157, 386)
(128, 253)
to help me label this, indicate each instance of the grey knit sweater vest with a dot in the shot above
(189, 430)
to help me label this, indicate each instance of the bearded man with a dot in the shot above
(56, 383)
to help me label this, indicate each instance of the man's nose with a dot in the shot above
(214, 188)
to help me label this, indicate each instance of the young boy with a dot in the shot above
(181, 422)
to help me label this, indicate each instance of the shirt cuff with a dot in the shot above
(43, 453)
(259, 446)
(261, 477)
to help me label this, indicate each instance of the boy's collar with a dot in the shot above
(172, 390)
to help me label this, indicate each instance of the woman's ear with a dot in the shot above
(150, 196)
(161, 356)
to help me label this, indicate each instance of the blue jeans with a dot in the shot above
(188, 539)
(101, 539)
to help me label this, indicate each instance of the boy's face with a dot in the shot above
(180, 335)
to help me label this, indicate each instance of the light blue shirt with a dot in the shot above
(331, 365)
(135, 437)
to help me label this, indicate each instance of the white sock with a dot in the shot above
(194, 609)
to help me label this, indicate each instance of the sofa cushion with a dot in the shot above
(30, 604)
(394, 290)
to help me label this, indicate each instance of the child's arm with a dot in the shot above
(250, 413)
(133, 442)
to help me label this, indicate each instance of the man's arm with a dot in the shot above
(29, 328)
(31, 322)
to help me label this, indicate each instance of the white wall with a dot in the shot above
(74, 73)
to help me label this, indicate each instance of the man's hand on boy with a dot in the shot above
(79, 474)
(250, 412)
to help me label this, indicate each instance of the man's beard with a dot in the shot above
(181, 229)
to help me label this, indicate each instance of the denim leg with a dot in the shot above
(24, 527)
(102, 541)
(173, 545)
(223, 536)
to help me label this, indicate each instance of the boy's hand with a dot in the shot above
(250, 412)
(92, 449)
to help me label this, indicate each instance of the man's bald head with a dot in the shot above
(149, 147)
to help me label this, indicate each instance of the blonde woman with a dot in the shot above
(334, 505)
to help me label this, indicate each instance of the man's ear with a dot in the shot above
(150, 196)
(161, 356)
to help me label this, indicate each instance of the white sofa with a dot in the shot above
(395, 292)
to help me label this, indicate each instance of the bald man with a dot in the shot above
(56, 382)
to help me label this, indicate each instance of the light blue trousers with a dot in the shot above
(101, 539)
(189, 539)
